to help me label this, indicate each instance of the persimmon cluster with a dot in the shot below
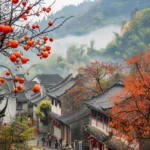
(19, 34)
(31, 36)
(20, 81)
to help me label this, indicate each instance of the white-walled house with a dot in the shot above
(65, 118)
(10, 111)
(101, 136)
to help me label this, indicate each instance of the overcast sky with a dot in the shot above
(60, 3)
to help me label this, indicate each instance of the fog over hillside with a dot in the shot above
(101, 37)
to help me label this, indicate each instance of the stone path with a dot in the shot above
(38, 138)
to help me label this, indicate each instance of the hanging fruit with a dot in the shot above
(14, 44)
(17, 54)
(50, 23)
(13, 58)
(51, 39)
(7, 73)
(16, 79)
(2, 80)
(20, 87)
(15, 90)
(15, 1)
(36, 88)
(21, 80)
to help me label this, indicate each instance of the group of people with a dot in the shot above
(48, 140)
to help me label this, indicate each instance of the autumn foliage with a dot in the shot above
(92, 78)
(131, 111)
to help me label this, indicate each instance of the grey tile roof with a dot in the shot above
(60, 84)
(35, 98)
(111, 141)
(62, 87)
(49, 79)
(21, 97)
(27, 93)
(10, 84)
(53, 115)
(73, 116)
(21, 76)
(102, 101)
(29, 84)
(2, 111)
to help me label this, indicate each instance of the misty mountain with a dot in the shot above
(91, 15)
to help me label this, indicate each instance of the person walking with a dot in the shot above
(56, 144)
(60, 142)
(43, 140)
(50, 141)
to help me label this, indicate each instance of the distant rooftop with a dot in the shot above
(73, 116)
(49, 80)
(102, 101)
(62, 87)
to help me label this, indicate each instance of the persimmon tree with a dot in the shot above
(133, 102)
(19, 34)
(93, 78)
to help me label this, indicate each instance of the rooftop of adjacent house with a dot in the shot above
(29, 84)
(21, 97)
(109, 140)
(62, 87)
(22, 76)
(37, 97)
(73, 116)
(49, 79)
(102, 101)
(3, 108)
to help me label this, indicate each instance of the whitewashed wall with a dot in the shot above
(10, 110)
(56, 109)
(37, 80)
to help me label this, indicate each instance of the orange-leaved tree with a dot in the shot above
(131, 111)
(94, 78)
(20, 33)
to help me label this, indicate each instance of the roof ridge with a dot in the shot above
(118, 83)
(43, 74)
(60, 82)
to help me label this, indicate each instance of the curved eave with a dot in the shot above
(4, 109)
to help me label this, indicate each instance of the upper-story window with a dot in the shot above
(99, 117)
(56, 103)
(52, 102)
(59, 104)
(93, 112)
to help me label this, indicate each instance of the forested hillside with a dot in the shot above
(134, 37)
(91, 15)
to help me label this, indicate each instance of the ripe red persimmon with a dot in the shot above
(50, 23)
(13, 58)
(24, 3)
(14, 44)
(36, 88)
(15, 1)
(7, 73)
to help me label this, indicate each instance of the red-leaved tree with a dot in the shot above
(94, 78)
(131, 111)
